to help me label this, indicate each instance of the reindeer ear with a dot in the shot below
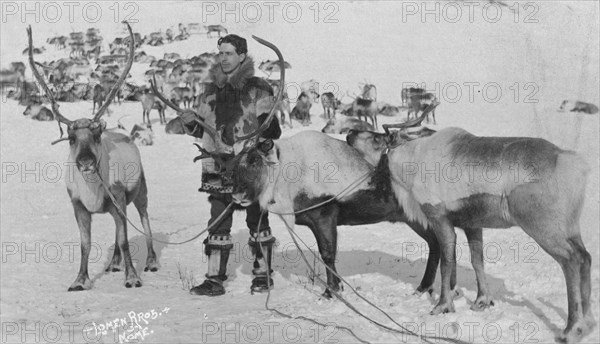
(102, 124)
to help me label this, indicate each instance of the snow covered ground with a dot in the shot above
(534, 66)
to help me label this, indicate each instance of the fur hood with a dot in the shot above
(237, 79)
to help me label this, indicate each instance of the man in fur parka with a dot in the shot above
(232, 104)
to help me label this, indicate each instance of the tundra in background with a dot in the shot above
(538, 187)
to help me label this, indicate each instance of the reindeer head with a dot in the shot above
(250, 167)
(373, 145)
(84, 135)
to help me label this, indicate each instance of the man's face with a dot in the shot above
(229, 58)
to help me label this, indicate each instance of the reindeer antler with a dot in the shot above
(267, 121)
(221, 146)
(59, 117)
(412, 123)
(115, 88)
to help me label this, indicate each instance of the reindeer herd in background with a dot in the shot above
(88, 73)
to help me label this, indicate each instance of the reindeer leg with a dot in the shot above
(141, 204)
(325, 230)
(475, 238)
(115, 263)
(446, 236)
(84, 221)
(290, 117)
(131, 276)
(426, 284)
(586, 287)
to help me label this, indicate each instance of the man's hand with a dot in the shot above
(188, 118)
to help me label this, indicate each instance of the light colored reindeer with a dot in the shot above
(108, 168)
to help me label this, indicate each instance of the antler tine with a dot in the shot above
(415, 122)
(221, 146)
(267, 121)
(115, 88)
(60, 118)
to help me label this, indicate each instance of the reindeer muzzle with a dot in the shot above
(87, 163)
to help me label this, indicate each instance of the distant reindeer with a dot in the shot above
(420, 102)
(95, 152)
(301, 110)
(215, 28)
(578, 106)
(150, 102)
(175, 127)
(330, 104)
(98, 97)
(365, 105)
(38, 112)
(408, 92)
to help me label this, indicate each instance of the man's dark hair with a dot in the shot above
(241, 47)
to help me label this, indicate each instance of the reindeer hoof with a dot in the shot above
(573, 336)
(579, 330)
(79, 286)
(482, 303)
(152, 266)
(420, 291)
(135, 282)
(327, 294)
(443, 309)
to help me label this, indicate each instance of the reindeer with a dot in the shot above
(150, 102)
(365, 105)
(420, 102)
(215, 28)
(183, 95)
(38, 112)
(330, 104)
(537, 186)
(301, 110)
(408, 92)
(268, 66)
(98, 97)
(95, 151)
(59, 42)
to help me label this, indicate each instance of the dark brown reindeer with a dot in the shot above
(96, 152)
(538, 187)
